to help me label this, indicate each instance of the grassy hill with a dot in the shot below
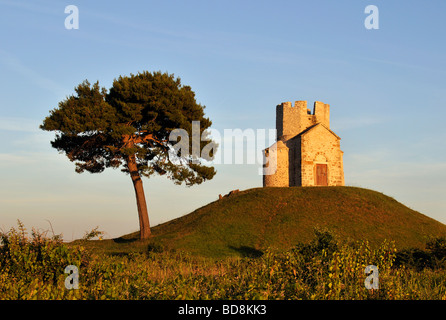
(248, 222)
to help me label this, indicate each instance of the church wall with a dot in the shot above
(281, 161)
(320, 146)
(298, 153)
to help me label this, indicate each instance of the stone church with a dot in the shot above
(307, 152)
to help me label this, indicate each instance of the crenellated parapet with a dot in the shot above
(292, 120)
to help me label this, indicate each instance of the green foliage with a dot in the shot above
(98, 129)
(93, 234)
(432, 257)
(322, 269)
(323, 243)
(31, 265)
(155, 247)
(437, 248)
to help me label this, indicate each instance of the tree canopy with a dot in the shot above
(128, 127)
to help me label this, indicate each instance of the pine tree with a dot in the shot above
(128, 127)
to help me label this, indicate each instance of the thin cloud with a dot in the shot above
(8, 160)
(17, 66)
(19, 124)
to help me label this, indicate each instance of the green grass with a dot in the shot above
(249, 222)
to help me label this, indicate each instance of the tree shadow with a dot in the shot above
(248, 252)
(124, 240)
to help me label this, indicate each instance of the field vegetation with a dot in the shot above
(32, 267)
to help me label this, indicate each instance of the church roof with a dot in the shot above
(280, 144)
(314, 126)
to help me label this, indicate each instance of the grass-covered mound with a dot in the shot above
(248, 222)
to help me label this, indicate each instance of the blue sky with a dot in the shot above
(386, 89)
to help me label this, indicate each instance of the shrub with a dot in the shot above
(34, 260)
(155, 247)
(89, 235)
(433, 257)
(414, 258)
(437, 248)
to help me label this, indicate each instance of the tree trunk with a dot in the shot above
(144, 225)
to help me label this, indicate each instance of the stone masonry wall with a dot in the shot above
(320, 146)
(277, 157)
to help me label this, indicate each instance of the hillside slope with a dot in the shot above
(250, 221)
